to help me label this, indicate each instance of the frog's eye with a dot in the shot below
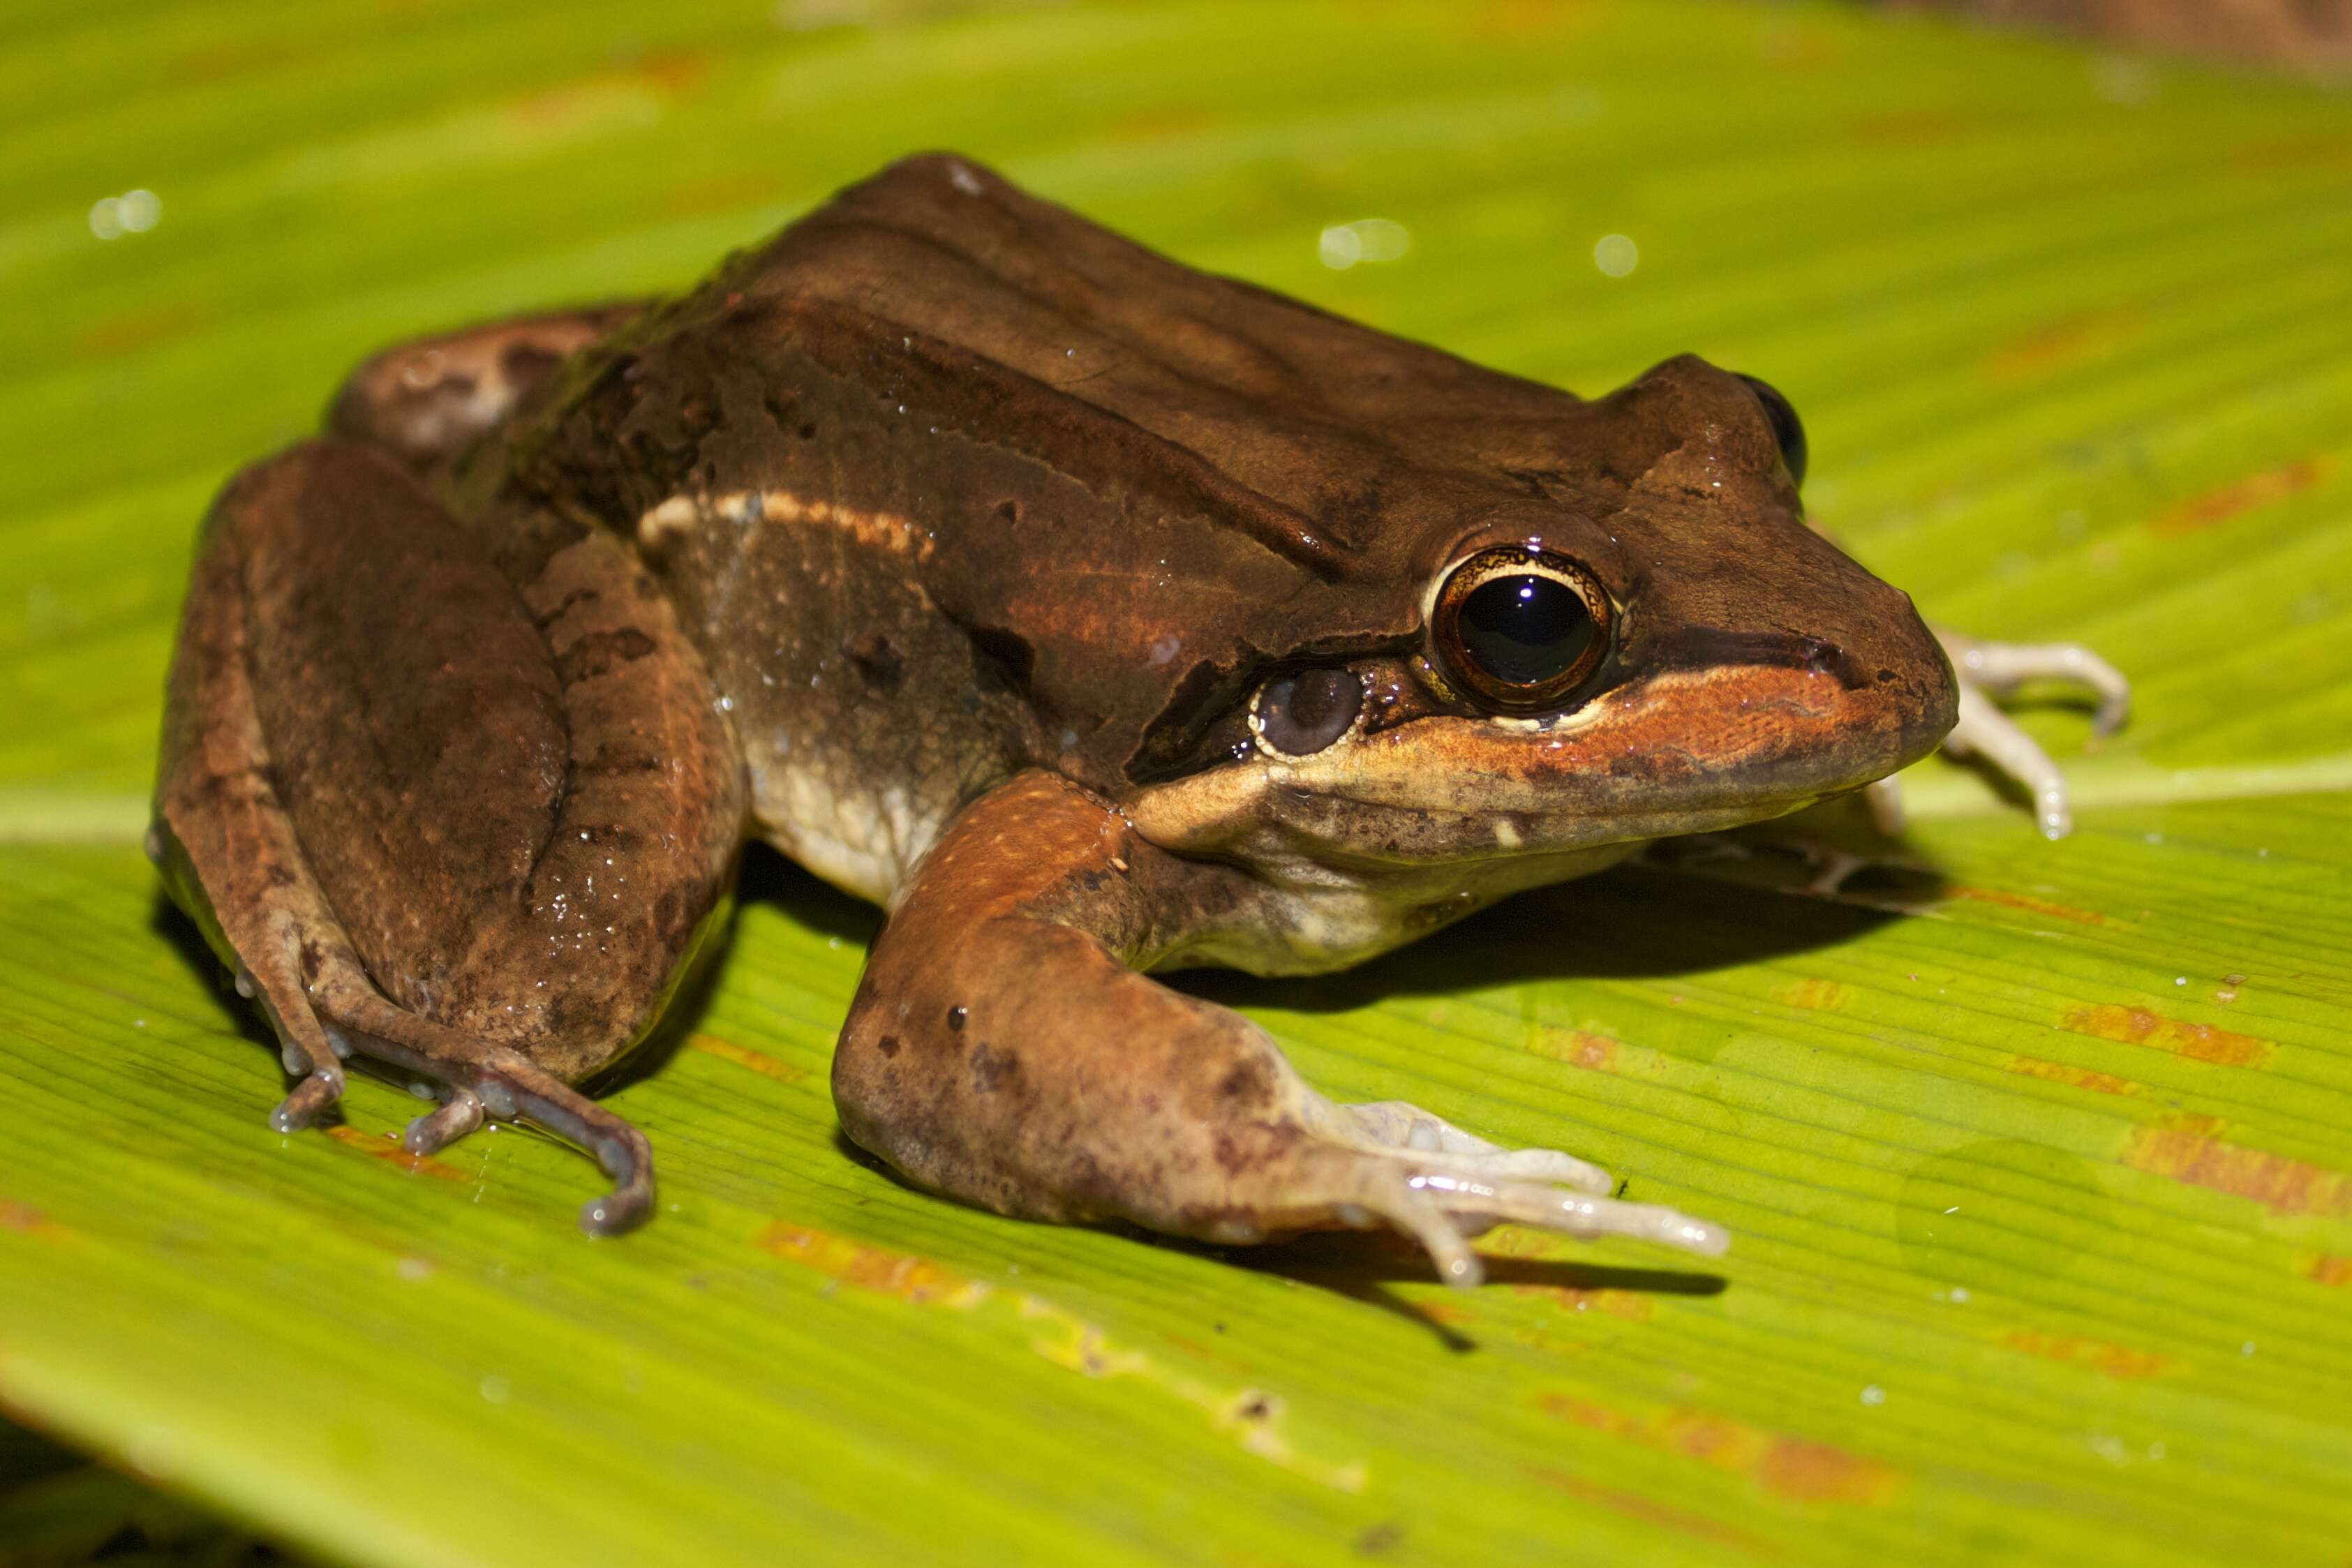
(1520, 629)
(1787, 428)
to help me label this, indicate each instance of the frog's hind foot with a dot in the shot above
(483, 1084)
(481, 1081)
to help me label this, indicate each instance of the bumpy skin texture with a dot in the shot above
(943, 542)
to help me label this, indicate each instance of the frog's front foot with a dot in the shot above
(1442, 1185)
(1988, 671)
(1003, 1049)
(1395, 1128)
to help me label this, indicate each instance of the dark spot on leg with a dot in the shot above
(808, 433)
(311, 959)
(888, 1045)
(600, 651)
(955, 1019)
(992, 1069)
(876, 660)
(1247, 1081)
(1009, 510)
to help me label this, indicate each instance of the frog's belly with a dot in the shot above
(863, 839)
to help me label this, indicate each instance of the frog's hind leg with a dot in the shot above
(459, 802)
(425, 400)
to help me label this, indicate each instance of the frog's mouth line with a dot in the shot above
(1679, 751)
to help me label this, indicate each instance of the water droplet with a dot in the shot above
(1342, 245)
(1616, 256)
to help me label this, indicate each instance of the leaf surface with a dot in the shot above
(2038, 1156)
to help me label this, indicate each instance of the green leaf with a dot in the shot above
(2038, 1156)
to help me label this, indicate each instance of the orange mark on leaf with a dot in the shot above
(2328, 1269)
(2113, 1360)
(1821, 996)
(23, 1219)
(2240, 497)
(2197, 1041)
(2031, 905)
(2076, 1077)
(876, 1269)
(137, 330)
(673, 71)
(1631, 1305)
(392, 1153)
(669, 74)
(1821, 1472)
(1795, 1467)
(1652, 1511)
(1594, 1053)
(724, 193)
(2186, 1150)
(1158, 121)
(2062, 344)
(766, 1066)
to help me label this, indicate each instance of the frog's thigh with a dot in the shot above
(468, 825)
(1001, 1050)
(424, 400)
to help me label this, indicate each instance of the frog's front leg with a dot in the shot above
(1003, 1049)
(426, 400)
(1990, 670)
(466, 822)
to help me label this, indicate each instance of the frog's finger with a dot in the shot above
(1579, 1215)
(1395, 1126)
(1985, 731)
(1999, 668)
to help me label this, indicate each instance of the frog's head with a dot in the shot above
(1645, 640)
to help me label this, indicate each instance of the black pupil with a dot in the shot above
(1526, 630)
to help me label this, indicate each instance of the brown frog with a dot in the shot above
(1093, 614)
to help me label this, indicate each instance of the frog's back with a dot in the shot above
(949, 481)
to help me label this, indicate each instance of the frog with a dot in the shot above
(1094, 616)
